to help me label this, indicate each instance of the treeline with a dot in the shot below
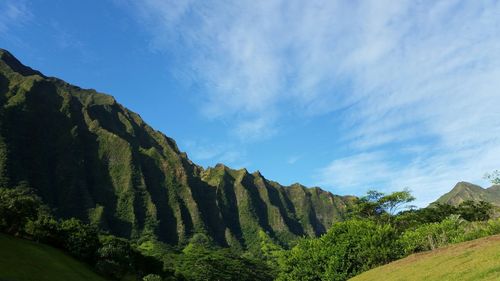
(23, 214)
(380, 228)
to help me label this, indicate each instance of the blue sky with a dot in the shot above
(346, 95)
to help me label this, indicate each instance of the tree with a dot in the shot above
(396, 201)
(494, 177)
(4, 152)
(45, 229)
(436, 212)
(347, 249)
(17, 207)
(475, 211)
(379, 206)
(115, 257)
(430, 236)
(307, 261)
(79, 239)
(269, 250)
(203, 262)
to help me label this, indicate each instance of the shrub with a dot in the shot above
(475, 211)
(347, 249)
(114, 257)
(199, 263)
(79, 239)
(45, 229)
(17, 207)
(434, 235)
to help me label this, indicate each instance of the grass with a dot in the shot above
(477, 260)
(22, 260)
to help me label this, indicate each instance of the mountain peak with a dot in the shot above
(463, 185)
(257, 174)
(16, 66)
(110, 168)
(220, 166)
(464, 191)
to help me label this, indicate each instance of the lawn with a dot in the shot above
(22, 260)
(477, 260)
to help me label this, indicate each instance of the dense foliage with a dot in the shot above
(199, 262)
(100, 171)
(17, 207)
(380, 229)
(90, 158)
(347, 249)
(374, 234)
(383, 228)
(23, 214)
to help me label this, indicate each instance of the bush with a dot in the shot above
(17, 207)
(199, 263)
(115, 258)
(45, 229)
(475, 211)
(79, 239)
(434, 235)
(347, 249)
(493, 227)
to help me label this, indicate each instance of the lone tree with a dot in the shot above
(494, 177)
(378, 205)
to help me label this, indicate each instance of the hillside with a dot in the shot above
(477, 260)
(89, 157)
(466, 191)
(23, 260)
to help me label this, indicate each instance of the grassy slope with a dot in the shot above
(22, 260)
(474, 260)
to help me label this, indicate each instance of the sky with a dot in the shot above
(345, 95)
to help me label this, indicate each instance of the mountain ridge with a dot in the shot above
(467, 191)
(89, 157)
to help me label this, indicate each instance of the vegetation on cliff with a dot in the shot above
(90, 158)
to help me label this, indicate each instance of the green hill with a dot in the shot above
(466, 191)
(477, 260)
(89, 157)
(22, 260)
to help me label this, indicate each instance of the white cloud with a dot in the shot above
(420, 73)
(254, 129)
(428, 175)
(13, 13)
(361, 169)
(208, 153)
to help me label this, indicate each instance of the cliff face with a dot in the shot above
(89, 157)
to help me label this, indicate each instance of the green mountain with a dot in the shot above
(89, 157)
(467, 191)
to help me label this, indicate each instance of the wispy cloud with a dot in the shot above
(12, 14)
(293, 159)
(428, 175)
(411, 73)
(204, 152)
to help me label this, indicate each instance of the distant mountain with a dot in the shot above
(467, 191)
(89, 157)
